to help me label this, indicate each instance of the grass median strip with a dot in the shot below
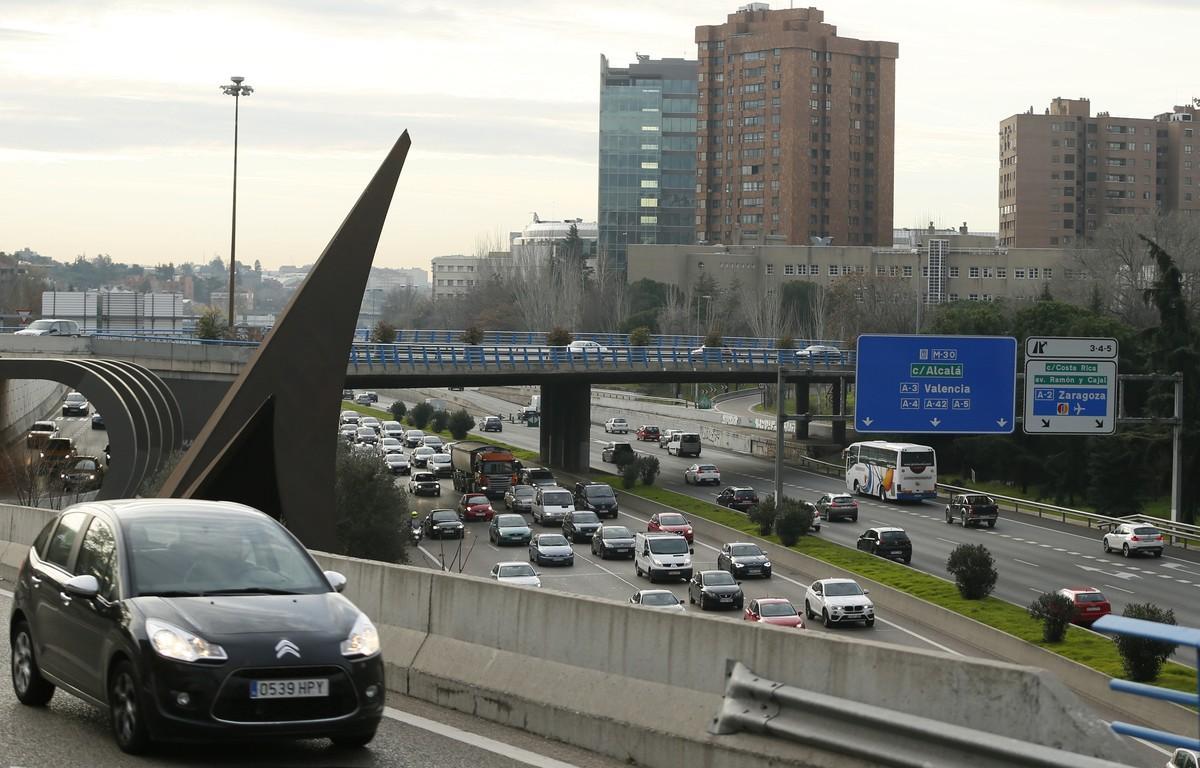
(1087, 648)
(382, 415)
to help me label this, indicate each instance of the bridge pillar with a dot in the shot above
(837, 392)
(566, 426)
(803, 389)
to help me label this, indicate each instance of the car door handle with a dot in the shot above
(35, 580)
(66, 599)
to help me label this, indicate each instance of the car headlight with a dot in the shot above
(739, 565)
(766, 563)
(171, 642)
(363, 639)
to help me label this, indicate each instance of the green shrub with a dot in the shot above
(371, 510)
(439, 420)
(793, 520)
(1142, 657)
(211, 324)
(558, 337)
(472, 335)
(714, 339)
(639, 337)
(629, 474)
(763, 515)
(785, 342)
(460, 424)
(1054, 611)
(420, 415)
(383, 333)
(974, 570)
(398, 410)
(648, 468)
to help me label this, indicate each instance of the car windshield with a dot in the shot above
(516, 570)
(719, 579)
(556, 499)
(1146, 531)
(842, 589)
(745, 550)
(615, 532)
(586, 517)
(473, 500)
(523, 491)
(424, 477)
(980, 501)
(672, 519)
(689, 438)
(776, 609)
(366, 431)
(43, 426)
(659, 599)
(744, 494)
(706, 468)
(552, 540)
(41, 325)
(510, 521)
(674, 545)
(192, 555)
(841, 500)
(85, 465)
(598, 492)
(75, 397)
(541, 474)
(440, 458)
(1089, 597)
(893, 537)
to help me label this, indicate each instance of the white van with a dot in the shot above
(662, 555)
(684, 444)
(551, 504)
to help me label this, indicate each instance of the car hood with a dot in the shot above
(675, 528)
(722, 589)
(616, 542)
(30, 332)
(523, 581)
(226, 616)
(848, 600)
(781, 621)
(555, 551)
(514, 530)
(749, 559)
(447, 524)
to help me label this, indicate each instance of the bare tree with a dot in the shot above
(818, 309)
(547, 290)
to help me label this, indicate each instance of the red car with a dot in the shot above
(671, 522)
(774, 610)
(648, 432)
(1090, 604)
(475, 506)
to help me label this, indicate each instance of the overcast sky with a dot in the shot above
(115, 138)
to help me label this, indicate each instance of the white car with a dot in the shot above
(823, 353)
(698, 474)
(658, 599)
(590, 349)
(372, 422)
(439, 464)
(391, 445)
(521, 574)
(617, 425)
(393, 429)
(1134, 538)
(838, 601)
(49, 327)
(1185, 758)
(551, 505)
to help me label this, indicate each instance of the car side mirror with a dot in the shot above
(336, 580)
(82, 586)
(866, 591)
(691, 550)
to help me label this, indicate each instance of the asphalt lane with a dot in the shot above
(1032, 555)
(69, 733)
(88, 442)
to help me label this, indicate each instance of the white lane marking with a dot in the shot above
(610, 573)
(1024, 562)
(436, 561)
(1181, 581)
(1034, 589)
(1073, 554)
(474, 740)
(1155, 747)
(948, 541)
(1086, 538)
(1119, 589)
(7, 594)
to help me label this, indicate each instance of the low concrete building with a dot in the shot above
(454, 275)
(940, 269)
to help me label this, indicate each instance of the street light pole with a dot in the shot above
(237, 90)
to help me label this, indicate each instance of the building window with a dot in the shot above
(1019, 273)
(649, 202)
(649, 184)
(650, 166)
(649, 219)
(1048, 273)
(649, 127)
(973, 272)
(1033, 273)
(1002, 272)
(880, 270)
(908, 271)
(988, 273)
(770, 269)
(953, 271)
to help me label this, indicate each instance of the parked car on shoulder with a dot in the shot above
(39, 433)
(774, 610)
(837, 506)
(612, 541)
(75, 404)
(519, 498)
(424, 483)
(517, 573)
(1134, 539)
(715, 589)
(671, 522)
(892, 543)
(659, 599)
(475, 506)
(740, 498)
(649, 433)
(1090, 604)
(972, 509)
(551, 548)
(618, 453)
(617, 425)
(509, 529)
(598, 498)
(838, 601)
(744, 558)
(444, 524)
(700, 474)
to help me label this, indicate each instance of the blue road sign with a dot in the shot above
(935, 384)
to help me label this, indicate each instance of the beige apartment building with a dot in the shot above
(796, 131)
(454, 275)
(943, 268)
(1065, 174)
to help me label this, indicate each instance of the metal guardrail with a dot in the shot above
(1167, 633)
(1180, 533)
(873, 734)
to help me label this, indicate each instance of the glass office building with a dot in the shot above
(647, 155)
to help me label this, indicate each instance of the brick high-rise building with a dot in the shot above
(1078, 173)
(797, 131)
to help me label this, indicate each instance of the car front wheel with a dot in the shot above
(124, 705)
(1125, 550)
(28, 684)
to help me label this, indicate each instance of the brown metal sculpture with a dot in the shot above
(271, 442)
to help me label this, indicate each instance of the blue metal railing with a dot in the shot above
(507, 357)
(1166, 633)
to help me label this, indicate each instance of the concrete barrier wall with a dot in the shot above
(24, 401)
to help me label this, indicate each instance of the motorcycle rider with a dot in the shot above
(415, 525)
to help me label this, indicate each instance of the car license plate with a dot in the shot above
(289, 689)
(727, 599)
(1094, 608)
(753, 570)
(672, 573)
